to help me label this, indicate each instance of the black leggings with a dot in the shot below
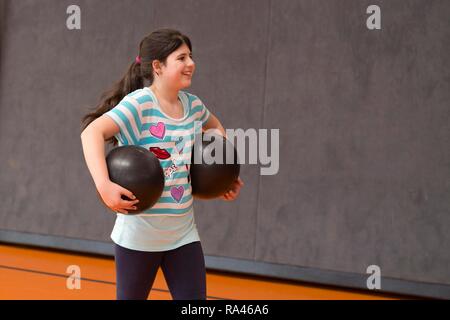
(183, 268)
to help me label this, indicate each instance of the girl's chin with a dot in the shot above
(186, 83)
(184, 86)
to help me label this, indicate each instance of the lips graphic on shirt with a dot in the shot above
(160, 153)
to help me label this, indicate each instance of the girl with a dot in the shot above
(161, 119)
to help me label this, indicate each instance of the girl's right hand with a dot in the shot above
(111, 194)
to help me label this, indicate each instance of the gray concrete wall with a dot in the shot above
(2, 21)
(363, 118)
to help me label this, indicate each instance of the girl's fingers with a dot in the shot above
(234, 191)
(128, 204)
(226, 197)
(231, 195)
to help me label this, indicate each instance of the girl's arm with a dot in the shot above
(93, 143)
(214, 123)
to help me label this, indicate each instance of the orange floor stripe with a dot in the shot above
(37, 273)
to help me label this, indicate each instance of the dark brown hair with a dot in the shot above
(156, 46)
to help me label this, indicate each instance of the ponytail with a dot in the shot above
(131, 81)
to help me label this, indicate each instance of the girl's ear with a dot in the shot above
(156, 65)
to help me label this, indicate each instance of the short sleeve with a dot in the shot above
(127, 115)
(204, 113)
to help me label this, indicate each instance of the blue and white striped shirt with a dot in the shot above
(142, 122)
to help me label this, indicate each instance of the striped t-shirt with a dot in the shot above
(143, 123)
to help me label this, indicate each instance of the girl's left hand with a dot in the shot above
(233, 193)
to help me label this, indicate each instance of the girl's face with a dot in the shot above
(179, 68)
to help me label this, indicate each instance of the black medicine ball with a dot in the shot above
(212, 180)
(139, 171)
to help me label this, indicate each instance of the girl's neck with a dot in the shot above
(166, 95)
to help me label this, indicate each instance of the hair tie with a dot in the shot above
(138, 60)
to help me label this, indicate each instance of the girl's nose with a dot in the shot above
(190, 62)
